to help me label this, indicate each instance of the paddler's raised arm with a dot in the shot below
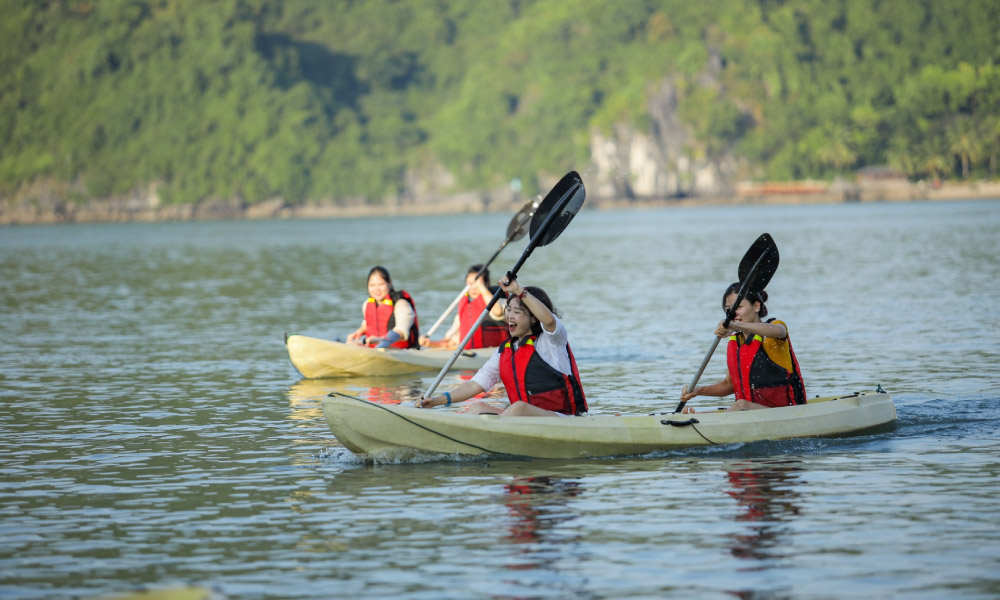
(536, 306)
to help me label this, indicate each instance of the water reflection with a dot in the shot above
(765, 491)
(171, 441)
(306, 395)
(305, 402)
(537, 506)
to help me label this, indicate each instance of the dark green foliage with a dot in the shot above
(339, 99)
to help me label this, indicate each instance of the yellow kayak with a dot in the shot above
(316, 358)
(380, 430)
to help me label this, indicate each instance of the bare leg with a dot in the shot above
(482, 408)
(745, 405)
(523, 409)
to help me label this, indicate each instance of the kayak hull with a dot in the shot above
(392, 431)
(316, 358)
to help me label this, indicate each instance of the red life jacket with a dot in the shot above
(379, 319)
(759, 379)
(528, 378)
(489, 335)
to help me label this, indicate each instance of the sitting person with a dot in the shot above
(763, 371)
(389, 317)
(491, 332)
(535, 364)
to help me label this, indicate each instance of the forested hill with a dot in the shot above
(362, 101)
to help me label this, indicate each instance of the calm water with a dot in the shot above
(155, 434)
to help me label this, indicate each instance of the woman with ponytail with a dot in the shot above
(762, 369)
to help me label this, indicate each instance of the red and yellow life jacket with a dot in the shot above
(489, 335)
(379, 319)
(528, 378)
(758, 379)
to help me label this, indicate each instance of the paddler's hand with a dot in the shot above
(686, 395)
(444, 399)
(510, 287)
(721, 331)
(431, 402)
(478, 288)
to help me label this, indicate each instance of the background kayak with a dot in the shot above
(316, 358)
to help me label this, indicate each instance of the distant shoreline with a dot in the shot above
(146, 209)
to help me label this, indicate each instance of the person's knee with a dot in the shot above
(518, 409)
(481, 408)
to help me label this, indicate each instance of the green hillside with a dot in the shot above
(350, 100)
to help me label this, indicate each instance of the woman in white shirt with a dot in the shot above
(535, 365)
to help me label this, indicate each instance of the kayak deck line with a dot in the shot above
(689, 423)
(374, 429)
(395, 413)
(693, 421)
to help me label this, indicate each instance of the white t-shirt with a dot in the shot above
(551, 347)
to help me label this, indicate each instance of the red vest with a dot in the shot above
(759, 379)
(489, 335)
(528, 378)
(379, 319)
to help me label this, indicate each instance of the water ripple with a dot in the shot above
(157, 434)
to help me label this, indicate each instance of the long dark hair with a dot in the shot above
(752, 296)
(541, 296)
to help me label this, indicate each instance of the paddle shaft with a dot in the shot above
(511, 276)
(701, 369)
(751, 277)
(454, 302)
(447, 311)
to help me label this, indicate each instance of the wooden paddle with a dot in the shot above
(515, 230)
(755, 271)
(551, 217)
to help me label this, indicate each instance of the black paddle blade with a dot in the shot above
(763, 254)
(755, 271)
(519, 224)
(571, 187)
